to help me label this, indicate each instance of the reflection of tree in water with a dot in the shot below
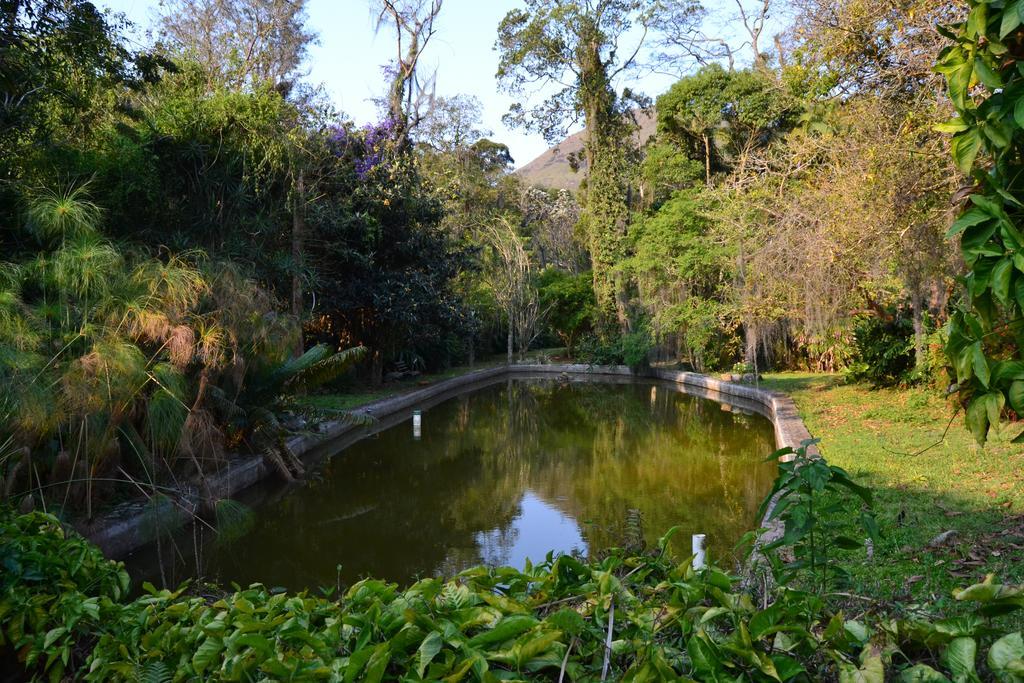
(397, 508)
(678, 460)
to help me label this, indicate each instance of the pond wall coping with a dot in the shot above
(133, 524)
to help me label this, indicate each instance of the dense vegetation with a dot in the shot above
(632, 616)
(193, 240)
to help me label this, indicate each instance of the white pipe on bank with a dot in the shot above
(699, 556)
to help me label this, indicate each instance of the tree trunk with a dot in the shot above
(510, 340)
(377, 368)
(298, 230)
(707, 158)
(918, 305)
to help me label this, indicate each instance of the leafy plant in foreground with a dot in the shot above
(64, 611)
(813, 499)
(982, 66)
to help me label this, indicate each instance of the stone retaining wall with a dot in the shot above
(132, 525)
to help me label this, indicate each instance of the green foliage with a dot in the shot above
(117, 363)
(573, 47)
(636, 346)
(720, 117)
(56, 591)
(884, 350)
(568, 304)
(631, 349)
(664, 171)
(64, 610)
(987, 89)
(684, 275)
(812, 499)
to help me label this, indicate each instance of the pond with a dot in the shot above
(498, 474)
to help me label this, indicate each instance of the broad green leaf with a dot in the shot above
(922, 673)
(994, 404)
(980, 363)
(378, 663)
(1016, 396)
(1006, 658)
(987, 75)
(997, 134)
(206, 653)
(965, 148)
(956, 125)
(977, 21)
(53, 635)
(1011, 19)
(970, 218)
(506, 629)
(428, 649)
(871, 671)
(959, 658)
(1001, 278)
(1007, 370)
(977, 420)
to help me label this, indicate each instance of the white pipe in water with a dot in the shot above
(417, 424)
(699, 556)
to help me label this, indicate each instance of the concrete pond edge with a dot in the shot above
(131, 525)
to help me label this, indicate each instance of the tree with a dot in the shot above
(682, 40)
(550, 218)
(240, 43)
(568, 303)
(577, 46)
(683, 267)
(452, 123)
(413, 24)
(693, 109)
(510, 276)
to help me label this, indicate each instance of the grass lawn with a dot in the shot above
(882, 438)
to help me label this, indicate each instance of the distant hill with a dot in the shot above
(552, 170)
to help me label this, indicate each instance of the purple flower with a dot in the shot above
(370, 144)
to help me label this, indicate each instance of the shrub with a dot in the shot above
(630, 349)
(636, 346)
(884, 351)
(568, 305)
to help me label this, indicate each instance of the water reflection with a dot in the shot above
(504, 473)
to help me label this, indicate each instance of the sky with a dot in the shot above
(348, 59)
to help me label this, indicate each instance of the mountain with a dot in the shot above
(552, 169)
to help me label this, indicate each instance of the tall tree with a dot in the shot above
(240, 43)
(413, 24)
(575, 48)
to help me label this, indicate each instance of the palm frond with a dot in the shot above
(229, 410)
(325, 370)
(292, 367)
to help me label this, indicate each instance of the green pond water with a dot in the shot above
(498, 475)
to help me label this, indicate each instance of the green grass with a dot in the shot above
(926, 481)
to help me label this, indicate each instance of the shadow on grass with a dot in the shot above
(911, 570)
(791, 383)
